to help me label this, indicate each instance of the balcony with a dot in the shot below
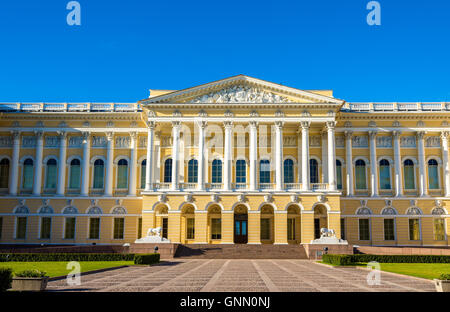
(96, 191)
(292, 186)
(188, 186)
(319, 187)
(215, 186)
(266, 186)
(240, 186)
(70, 107)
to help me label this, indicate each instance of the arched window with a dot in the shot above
(313, 171)
(338, 174)
(122, 174)
(288, 171)
(216, 171)
(50, 176)
(168, 170)
(99, 173)
(241, 171)
(264, 171)
(433, 177)
(408, 173)
(28, 173)
(360, 175)
(385, 175)
(4, 173)
(193, 171)
(143, 173)
(75, 174)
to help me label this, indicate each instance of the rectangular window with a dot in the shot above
(360, 177)
(291, 229)
(190, 228)
(339, 177)
(21, 227)
(94, 228)
(139, 231)
(69, 232)
(143, 173)
(216, 228)
(408, 172)
(265, 229)
(342, 228)
(28, 175)
(75, 173)
(385, 177)
(439, 229)
(119, 226)
(414, 229)
(364, 232)
(389, 229)
(46, 227)
(1, 226)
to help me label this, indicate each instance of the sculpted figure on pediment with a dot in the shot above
(241, 94)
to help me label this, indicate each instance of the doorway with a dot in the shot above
(240, 228)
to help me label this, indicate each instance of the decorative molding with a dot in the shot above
(433, 141)
(359, 141)
(122, 142)
(6, 141)
(408, 141)
(52, 141)
(384, 141)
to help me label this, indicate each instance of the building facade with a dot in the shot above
(240, 160)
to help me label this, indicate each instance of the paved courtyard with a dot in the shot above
(239, 275)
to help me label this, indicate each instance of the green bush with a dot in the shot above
(5, 279)
(30, 273)
(38, 257)
(147, 258)
(349, 259)
(444, 277)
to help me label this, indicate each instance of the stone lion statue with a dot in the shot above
(154, 231)
(324, 232)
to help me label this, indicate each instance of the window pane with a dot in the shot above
(70, 228)
(360, 175)
(313, 171)
(414, 230)
(192, 171)
(338, 175)
(98, 175)
(75, 173)
(119, 224)
(4, 173)
(439, 230)
(342, 228)
(94, 228)
(28, 175)
(217, 171)
(168, 170)
(364, 232)
(291, 229)
(241, 171)
(143, 174)
(216, 228)
(288, 171)
(265, 229)
(21, 228)
(433, 178)
(46, 225)
(389, 232)
(408, 171)
(122, 175)
(264, 171)
(190, 228)
(139, 228)
(385, 176)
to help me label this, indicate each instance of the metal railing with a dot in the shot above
(188, 186)
(240, 186)
(319, 186)
(266, 186)
(215, 186)
(292, 186)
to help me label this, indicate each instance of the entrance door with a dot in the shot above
(240, 228)
(165, 223)
(316, 228)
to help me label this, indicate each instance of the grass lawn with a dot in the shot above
(57, 268)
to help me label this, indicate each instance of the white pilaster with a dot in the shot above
(14, 175)
(228, 158)
(445, 165)
(133, 165)
(324, 157)
(201, 154)
(349, 160)
(85, 164)
(397, 164)
(299, 155)
(62, 163)
(331, 156)
(373, 163)
(38, 169)
(176, 126)
(253, 154)
(157, 158)
(149, 161)
(109, 164)
(279, 155)
(422, 177)
(305, 156)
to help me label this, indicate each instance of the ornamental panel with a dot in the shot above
(28, 141)
(75, 141)
(433, 141)
(384, 142)
(51, 141)
(5, 141)
(99, 141)
(122, 142)
(360, 141)
(408, 141)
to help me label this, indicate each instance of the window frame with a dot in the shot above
(118, 229)
(366, 184)
(99, 228)
(394, 227)
(404, 176)
(389, 171)
(74, 228)
(368, 229)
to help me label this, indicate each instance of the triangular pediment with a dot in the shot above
(241, 89)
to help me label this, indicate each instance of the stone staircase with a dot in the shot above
(238, 251)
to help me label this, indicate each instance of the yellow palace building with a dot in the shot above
(239, 160)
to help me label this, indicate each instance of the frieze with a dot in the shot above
(290, 141)
(5, 141)
(51, 141)
(384, 141)
(360, 141)
(340, 142)
(315, 140)
(99, 141)
(75, 141)
(433, 141)
(28, 141)
(123, 142)
(143, 142)
(408, 141)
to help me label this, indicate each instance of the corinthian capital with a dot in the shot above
(331, 125)
(396, 134)
(372, 134)
(420, 135)
(445, 135)
(348, 135)
(305, 124)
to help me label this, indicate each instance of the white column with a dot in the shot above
(62, 163)
(176, 126)
(133, 165)
(373, 163)
(305, 156)
(324, 157)
(445, 165)
(299, 155)
(331, 156)
(422, 177)
(279, 155)
(253, 154)
(349, 160)
(228, 157)
(201, 154)
(109, 164)
(38, 169)
(149, 162)
(157, 158)
(397, 164)
(14, 175)
(85, 164)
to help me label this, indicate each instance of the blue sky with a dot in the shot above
(123, 48)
